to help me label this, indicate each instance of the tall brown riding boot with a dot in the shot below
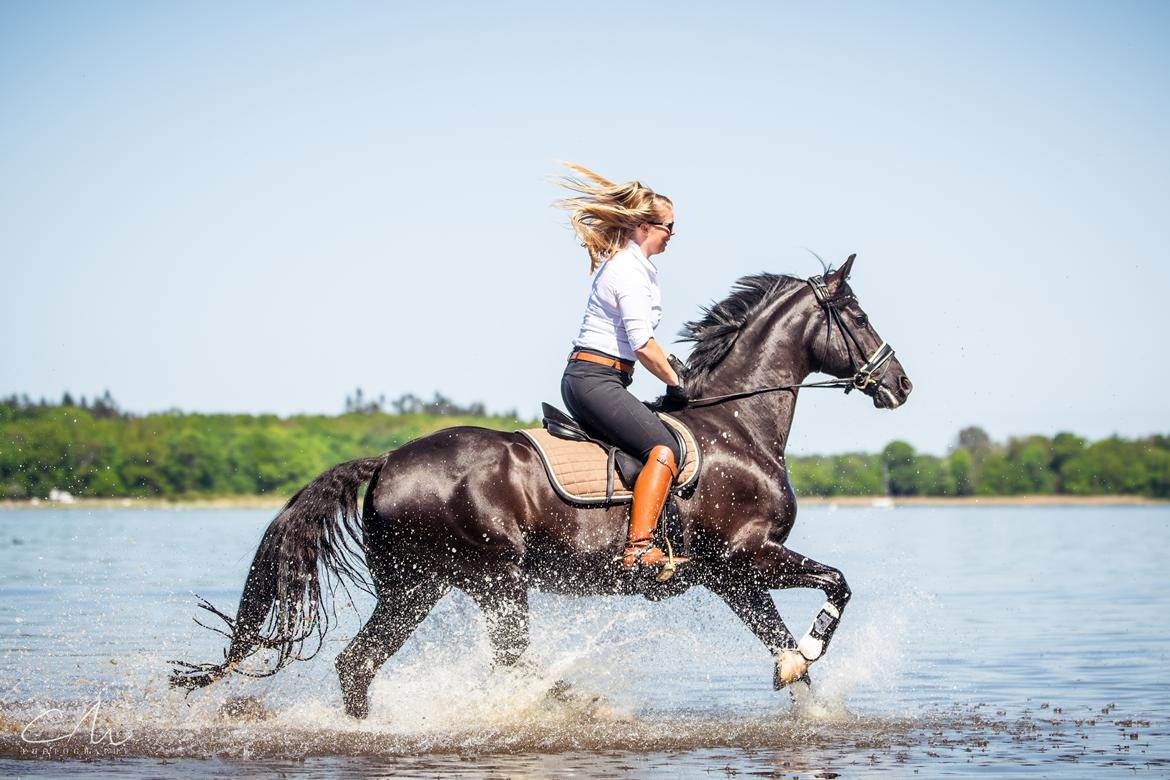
(649, 497)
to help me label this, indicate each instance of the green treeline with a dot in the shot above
(97, 450)
(976, 466)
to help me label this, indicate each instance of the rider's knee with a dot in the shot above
(666, 455)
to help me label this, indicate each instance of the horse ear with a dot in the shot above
(842, 273)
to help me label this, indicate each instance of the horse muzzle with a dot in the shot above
(883, 379)
(892, 390)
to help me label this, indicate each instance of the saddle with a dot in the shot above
(586, 470)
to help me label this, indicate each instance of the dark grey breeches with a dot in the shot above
(596, 396)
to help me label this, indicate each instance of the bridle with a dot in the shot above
(864, 376)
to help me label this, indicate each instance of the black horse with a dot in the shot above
(473, 509)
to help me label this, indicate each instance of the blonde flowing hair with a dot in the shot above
(604, 215)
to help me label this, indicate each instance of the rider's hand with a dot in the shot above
(677, 392)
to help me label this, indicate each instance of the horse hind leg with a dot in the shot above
(397, 615)
(504, 601)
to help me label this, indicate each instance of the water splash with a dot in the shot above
(679, 678)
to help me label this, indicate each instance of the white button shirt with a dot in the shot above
(625, 305)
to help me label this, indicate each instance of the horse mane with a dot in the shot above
(714, 333)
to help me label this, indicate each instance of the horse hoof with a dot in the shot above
(244, 708)
(560, 691)
(801, 691)
(791, 667)
(357, 705)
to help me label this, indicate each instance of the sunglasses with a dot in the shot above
(668, 225)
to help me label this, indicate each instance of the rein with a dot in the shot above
(863, 376)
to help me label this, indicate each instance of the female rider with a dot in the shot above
(623, 226)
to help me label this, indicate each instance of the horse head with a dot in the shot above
(779, 329)
(841, 341)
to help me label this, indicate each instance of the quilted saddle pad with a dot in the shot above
(580, 471)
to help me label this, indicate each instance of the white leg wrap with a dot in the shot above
(813, 645)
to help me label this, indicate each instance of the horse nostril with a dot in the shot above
(905, 384)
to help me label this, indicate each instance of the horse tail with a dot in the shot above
(316, 536)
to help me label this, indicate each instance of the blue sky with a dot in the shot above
(229, 207)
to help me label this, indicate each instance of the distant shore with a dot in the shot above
(220, 502)
(1048, 500)
(274, 502)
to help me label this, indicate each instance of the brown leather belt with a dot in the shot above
(625, 366)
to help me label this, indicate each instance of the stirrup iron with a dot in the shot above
(669, 567)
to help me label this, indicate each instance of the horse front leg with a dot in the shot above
(754, 606)
(784, 568)
(763, 562)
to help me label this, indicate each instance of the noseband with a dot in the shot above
(864, 376)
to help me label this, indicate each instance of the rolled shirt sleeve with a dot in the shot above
(632, 293)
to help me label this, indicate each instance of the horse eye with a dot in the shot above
(862, 321)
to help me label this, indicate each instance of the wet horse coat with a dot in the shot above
(473, 509)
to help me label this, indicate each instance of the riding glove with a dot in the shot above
(677, 393)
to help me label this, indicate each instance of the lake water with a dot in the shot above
(1011, 641)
